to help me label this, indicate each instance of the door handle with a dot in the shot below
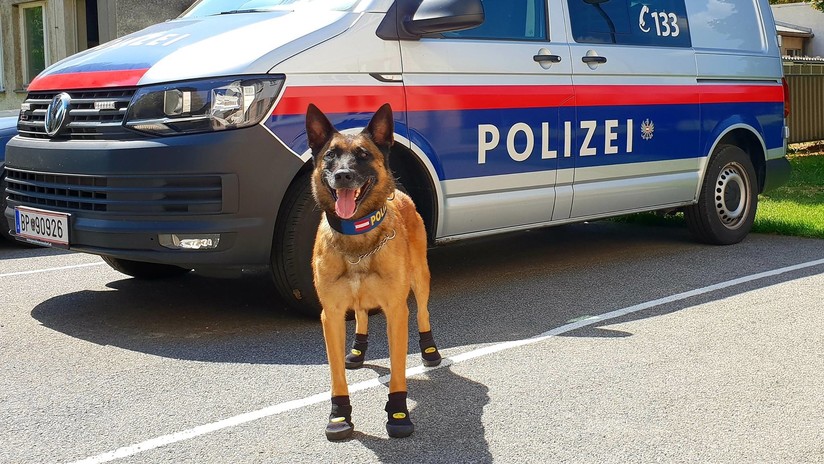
(547, 58)
(594, 59)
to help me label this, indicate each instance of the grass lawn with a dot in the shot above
(796, 208)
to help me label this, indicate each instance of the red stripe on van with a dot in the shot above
(344, 99)
(87, 80)
(731, 93)
(444, 98)
(614, 95)
(629, 95)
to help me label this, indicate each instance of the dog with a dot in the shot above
(369, 252)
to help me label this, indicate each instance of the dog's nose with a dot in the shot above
(344, 175)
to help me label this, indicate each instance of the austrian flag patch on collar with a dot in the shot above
(358, 226)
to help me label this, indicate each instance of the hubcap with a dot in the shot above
(732, 195)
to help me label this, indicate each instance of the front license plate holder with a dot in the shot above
(41, 227)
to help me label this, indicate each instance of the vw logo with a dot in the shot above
(56, 113)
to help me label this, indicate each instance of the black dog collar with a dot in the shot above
(358, 226)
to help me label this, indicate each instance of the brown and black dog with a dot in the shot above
(370, 251)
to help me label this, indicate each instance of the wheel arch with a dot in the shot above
(415, 171)
(749, 139)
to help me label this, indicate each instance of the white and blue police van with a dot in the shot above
(183, 146)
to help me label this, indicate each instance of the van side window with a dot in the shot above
(718, 25)
(659, 23)
(509, 20)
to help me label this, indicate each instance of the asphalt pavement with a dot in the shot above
(601, 342)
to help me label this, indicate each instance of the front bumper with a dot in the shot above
(122, 195)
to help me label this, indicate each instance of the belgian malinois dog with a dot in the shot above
(370, 251)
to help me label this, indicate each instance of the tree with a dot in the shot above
(817, 4)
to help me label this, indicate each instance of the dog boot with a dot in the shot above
(429, 352)
(340, 425)
(355, 357)
(398, 424)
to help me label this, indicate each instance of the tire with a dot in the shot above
(295, 230)
(141, 270)
(728, 199)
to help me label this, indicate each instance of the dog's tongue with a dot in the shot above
(345, 205)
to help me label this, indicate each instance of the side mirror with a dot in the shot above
(434, 16)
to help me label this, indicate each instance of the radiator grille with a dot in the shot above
(116, 194)
(85, 120)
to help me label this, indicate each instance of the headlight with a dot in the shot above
(203, 106)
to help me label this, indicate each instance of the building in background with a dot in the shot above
(35, 34)
(794, 39)
(801, 28)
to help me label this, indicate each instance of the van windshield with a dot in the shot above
(215, 7)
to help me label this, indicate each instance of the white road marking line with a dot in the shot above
(365, 385)
(50, 269)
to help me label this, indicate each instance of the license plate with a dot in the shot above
(42, 227)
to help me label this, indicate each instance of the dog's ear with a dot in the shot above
(381, 128)
(318, 128)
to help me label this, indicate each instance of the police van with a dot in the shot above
(183, 146)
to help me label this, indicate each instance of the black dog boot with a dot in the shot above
(355, 357)
(429, 352)
(340, 425)
(398, 424)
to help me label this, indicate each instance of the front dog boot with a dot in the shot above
(398, 424)
(355, 357)
(429, 352)
(340, 425)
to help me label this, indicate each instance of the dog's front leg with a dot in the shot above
(398, 423)
(356, 356)
(340, 424)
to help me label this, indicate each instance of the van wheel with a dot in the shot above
(141, 270)
(728, 199)
(295, 230)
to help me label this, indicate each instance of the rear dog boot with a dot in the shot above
(398, 424)
(429, 352)
(340, 425)
(355, 357)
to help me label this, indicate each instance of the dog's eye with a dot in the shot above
(363, 154)
(329, 155)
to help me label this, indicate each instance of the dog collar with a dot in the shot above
(358, 226)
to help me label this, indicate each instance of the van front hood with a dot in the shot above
(181, 49)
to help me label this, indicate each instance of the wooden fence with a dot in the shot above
(806, 82)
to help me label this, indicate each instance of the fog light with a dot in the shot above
(189, 241)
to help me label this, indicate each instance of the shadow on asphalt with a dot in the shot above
(446, 425)
(487, 290)
(13, 249)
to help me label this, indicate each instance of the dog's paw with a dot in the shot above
(398, 424)
(355, 358)
(338, 429)
(340, 425)
(429, 352)
(431, 357)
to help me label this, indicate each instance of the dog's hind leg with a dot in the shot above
(355, 357)
(398, 423)
(340, 424)
(420, 287)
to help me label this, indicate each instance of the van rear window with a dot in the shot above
(659, 23)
